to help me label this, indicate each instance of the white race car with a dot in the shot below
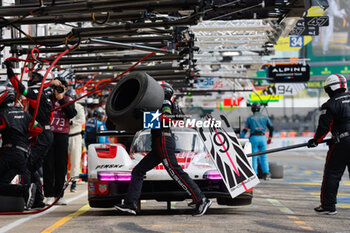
(110, 166)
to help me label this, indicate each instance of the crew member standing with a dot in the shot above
(15, 128)
(335, 117)
(95, 125)
(163, 151)
(75, 139)
(56, 161)
(257, 124)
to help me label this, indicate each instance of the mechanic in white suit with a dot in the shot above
(75, 139)
(327, 32)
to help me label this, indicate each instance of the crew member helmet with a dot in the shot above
(6, 96)
(256, 107)
(168, 90)
(37, 76)
(99, 112)
(335, 83)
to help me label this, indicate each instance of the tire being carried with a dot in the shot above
(133, 94)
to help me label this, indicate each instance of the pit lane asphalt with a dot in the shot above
(279, 205)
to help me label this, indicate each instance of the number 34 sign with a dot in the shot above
(296, 41)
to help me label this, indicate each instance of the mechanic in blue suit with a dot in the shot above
(94, 125)
(257, 123)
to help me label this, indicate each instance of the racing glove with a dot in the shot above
(312, 143)
(8, 64)
(269, 140)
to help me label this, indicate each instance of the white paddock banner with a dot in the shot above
(228, 156)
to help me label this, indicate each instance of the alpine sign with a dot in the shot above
(228, 156)
(289, 73)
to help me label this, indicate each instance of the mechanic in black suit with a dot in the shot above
(163, 151)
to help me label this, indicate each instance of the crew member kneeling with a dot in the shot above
(14, 128)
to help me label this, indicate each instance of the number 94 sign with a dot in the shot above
(289, 89)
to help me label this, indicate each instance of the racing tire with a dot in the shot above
(11, 204)
(134, 94)
(235, 201)
(276, 171)
(104, 203)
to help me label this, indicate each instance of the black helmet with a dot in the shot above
(168, 90)
(6, 96)
(71, 93)
(35, 78)
(99, 112)
(256, 107)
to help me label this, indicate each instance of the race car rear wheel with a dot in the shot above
(133, 94)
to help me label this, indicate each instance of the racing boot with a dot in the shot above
(202, 207)
(321, 210)
(29, 196)
(131, 209)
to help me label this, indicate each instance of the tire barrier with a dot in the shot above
(133, 94)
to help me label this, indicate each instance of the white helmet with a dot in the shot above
(335, 82)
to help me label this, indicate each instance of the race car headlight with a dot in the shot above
(212, 175)
(114, 176)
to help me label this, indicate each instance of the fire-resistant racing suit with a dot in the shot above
(163, 151)
(335, 117)
(14, 128)
(45, 139)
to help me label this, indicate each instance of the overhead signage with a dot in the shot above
(289, 89)
(305, 31)
(283, 43)
(289, 73)
(317, 71)
(296, 41)
(309, 26)
(321, 21)
(285, 89)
